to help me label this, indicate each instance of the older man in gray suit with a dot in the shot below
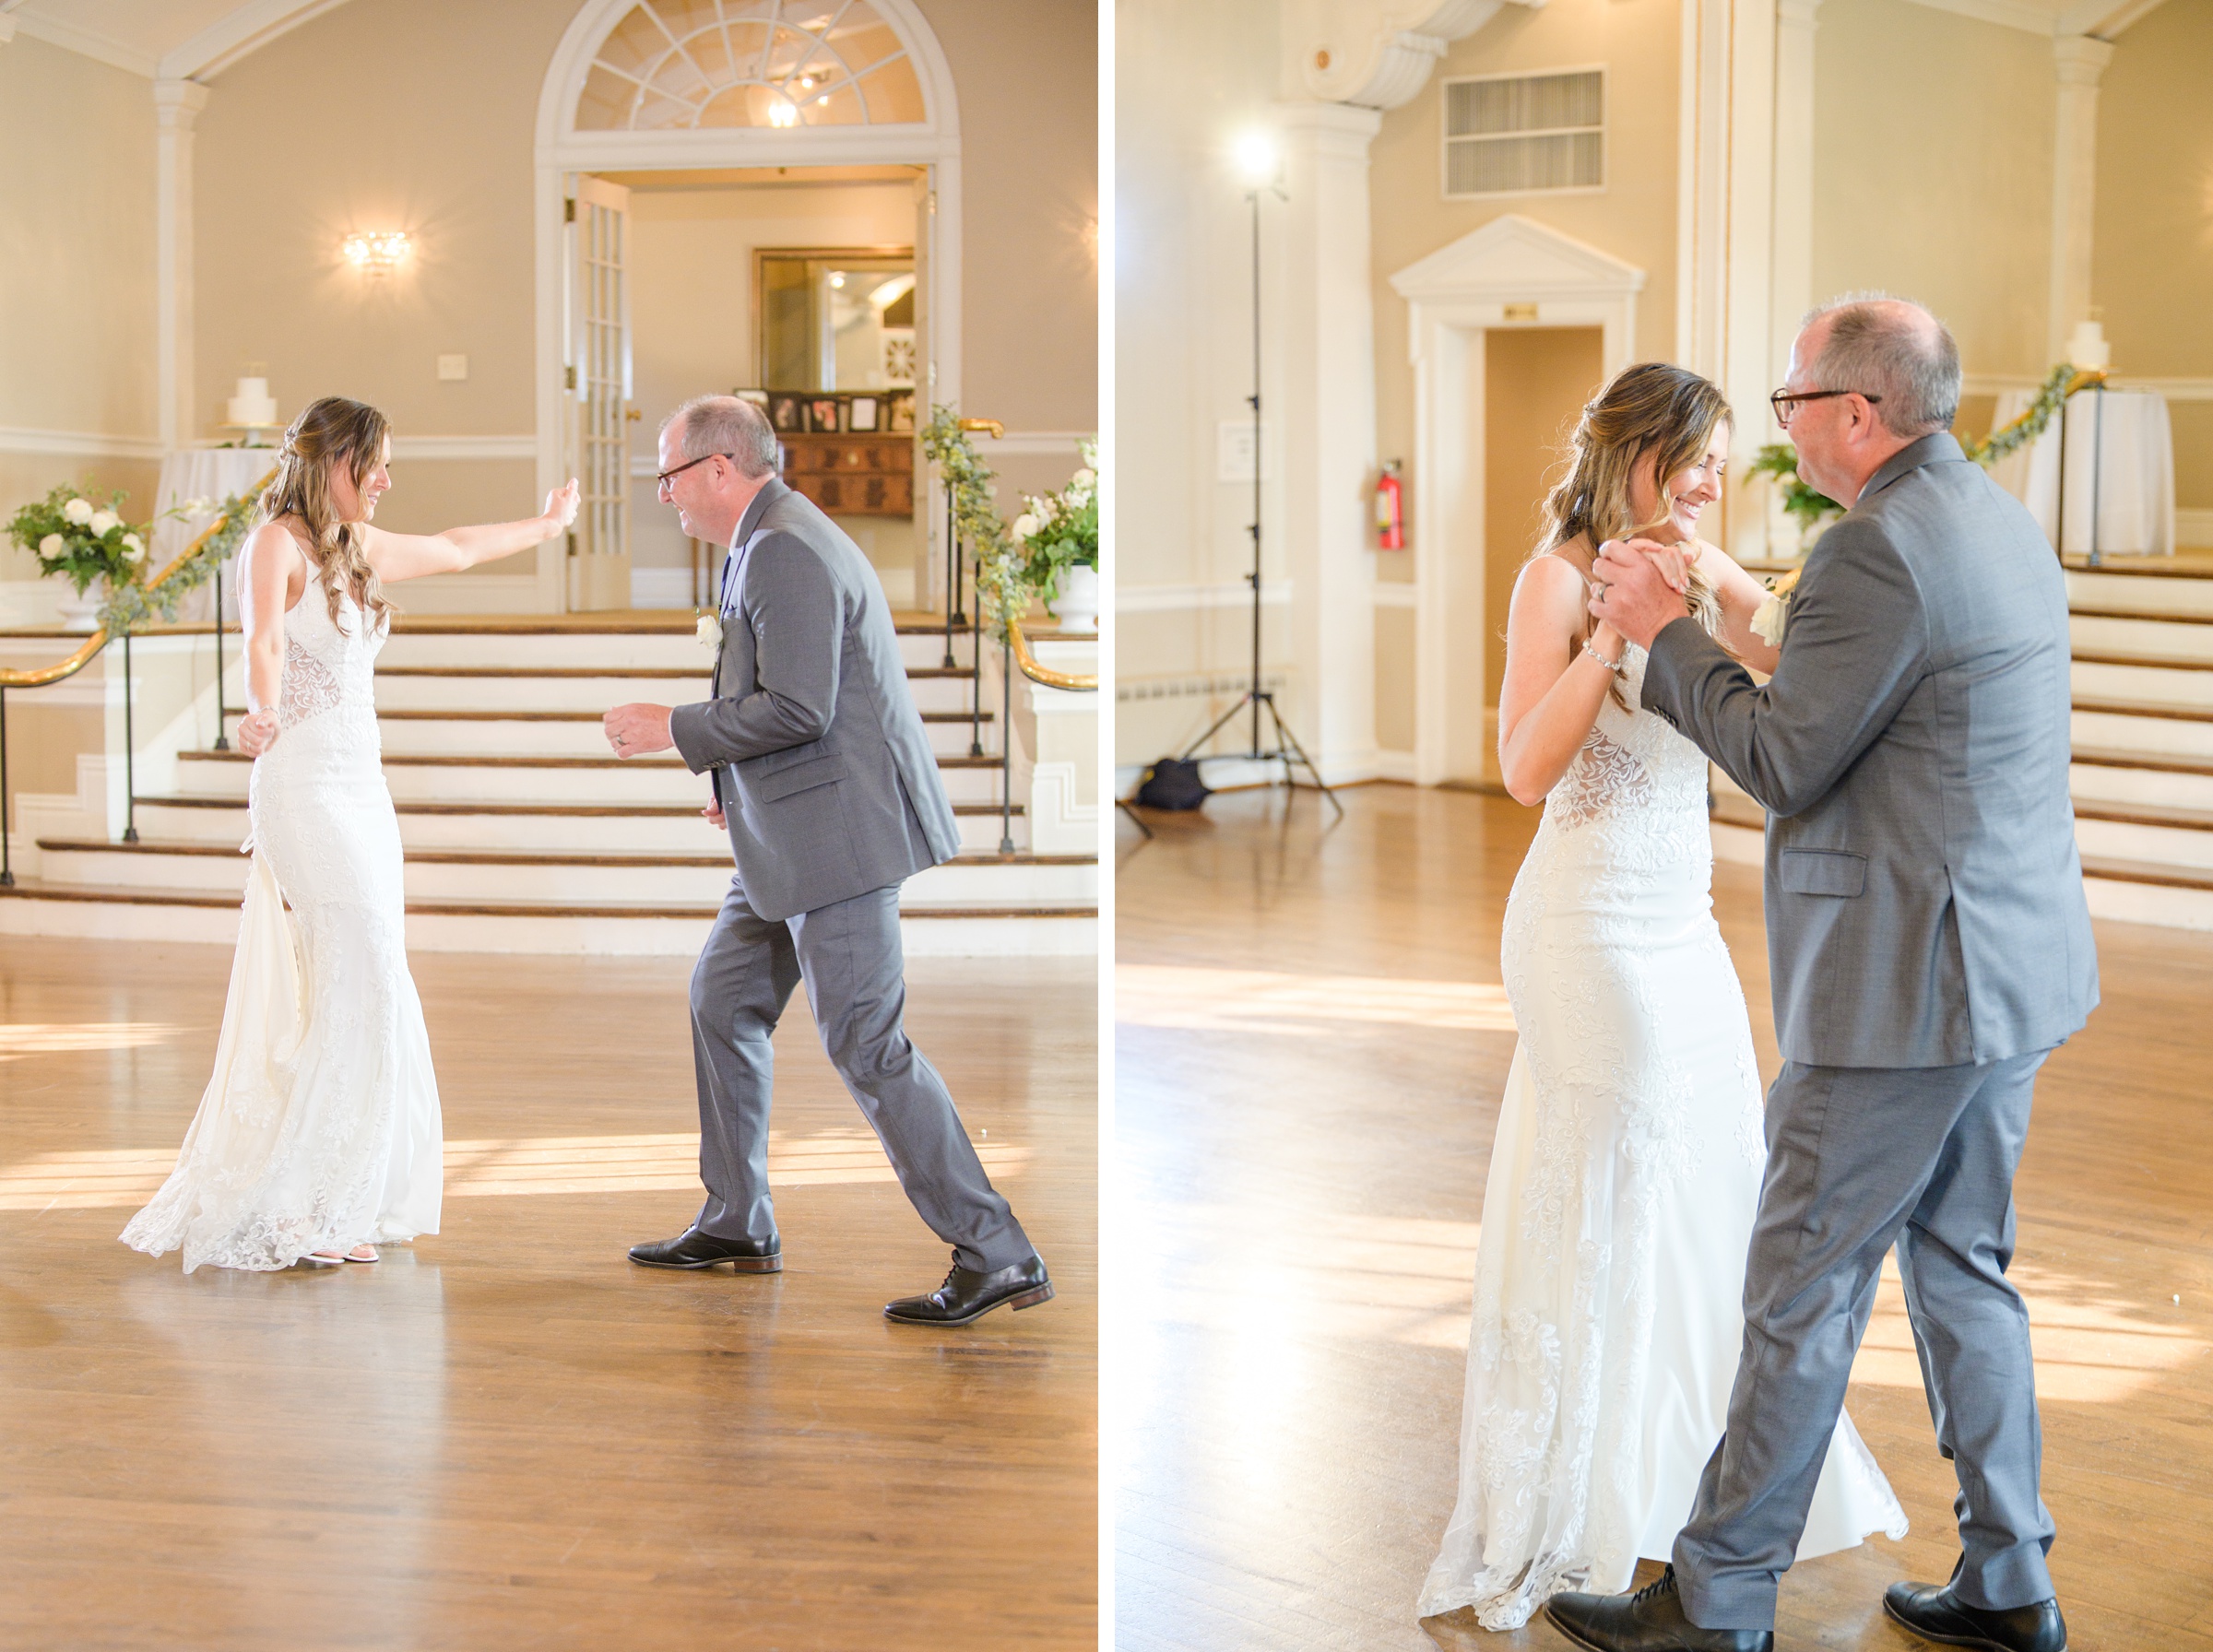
(1929, 945)
(825, 781)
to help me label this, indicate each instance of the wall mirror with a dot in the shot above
(836, 318)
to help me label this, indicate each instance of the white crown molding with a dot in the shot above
(85, 42)
(1377, 53)
(239, 34)
(2103, 20)
(2174, 390)
(77, 444)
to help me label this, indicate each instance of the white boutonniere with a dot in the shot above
(710, 631)
(1769, 617)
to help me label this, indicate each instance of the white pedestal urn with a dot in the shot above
(80, 610)
(1077, 605)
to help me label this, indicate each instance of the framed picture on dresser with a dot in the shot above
(758, 398)
(824, 416)
(899, 412)
(863, 413)
(787, 413)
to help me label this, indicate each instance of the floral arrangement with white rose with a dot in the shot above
(82, 542)
(1062, 530)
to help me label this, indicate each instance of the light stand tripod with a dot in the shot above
(1286, 749)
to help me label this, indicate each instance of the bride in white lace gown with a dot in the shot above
(1625, 1171)
(318, 1137)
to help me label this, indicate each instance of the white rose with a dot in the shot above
(52, 545)
(1768, 620)
(1024, 525)
(103, 523)
(1084, 479)
(133, 548)
(77, 511)
(710, 631)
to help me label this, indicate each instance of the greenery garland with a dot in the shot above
(1811, 506)
(131, 607)
(1002, 580)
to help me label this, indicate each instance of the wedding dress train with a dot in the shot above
(320, 1129)
(1609, 1274)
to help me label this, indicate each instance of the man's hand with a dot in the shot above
(1630, 595)
(637, 730)
(257, 733)
(715, 817)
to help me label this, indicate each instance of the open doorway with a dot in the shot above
(802, 288)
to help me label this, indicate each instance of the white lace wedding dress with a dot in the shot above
(320, 1129)
(1609, 1272)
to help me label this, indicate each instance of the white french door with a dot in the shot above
(600, 391)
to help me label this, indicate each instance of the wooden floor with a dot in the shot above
(508, 1436)
(1312, 1048)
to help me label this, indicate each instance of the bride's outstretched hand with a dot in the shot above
(561, 506)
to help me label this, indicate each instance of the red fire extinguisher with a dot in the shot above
(1391, 509)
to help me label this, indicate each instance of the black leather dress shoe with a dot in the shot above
(1934, 1613)
(1650, 1620)
(692, 1248)
(967, 1295)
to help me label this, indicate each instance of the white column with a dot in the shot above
(177, 103)
(1795, 293)
(1325, 407)
(2079, 61)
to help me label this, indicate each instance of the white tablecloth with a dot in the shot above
(2133, 472)
(213, 474)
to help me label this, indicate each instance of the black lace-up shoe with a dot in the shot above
(692, 1248)
(967, 1295)
(1934, 1613)
(1650, 1620)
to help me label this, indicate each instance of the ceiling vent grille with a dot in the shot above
(1525, 134)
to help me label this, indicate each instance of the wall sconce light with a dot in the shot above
(377, 251)
(783, 111)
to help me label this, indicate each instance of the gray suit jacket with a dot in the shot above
(821, 762)
(1924, 897)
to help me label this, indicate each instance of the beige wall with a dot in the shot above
(1189, 79)
(1933, 171)
(1028, 78)
(2152, 274)
(76, 272)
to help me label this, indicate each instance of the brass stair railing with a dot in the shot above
(40, 676)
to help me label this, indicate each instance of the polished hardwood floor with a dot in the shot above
(507, 1435)
(1311, 1046)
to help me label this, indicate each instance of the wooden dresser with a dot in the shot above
(853, 476)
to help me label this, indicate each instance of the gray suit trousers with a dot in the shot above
(848, 954)
(1858, 1159)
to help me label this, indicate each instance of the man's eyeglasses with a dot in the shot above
(1785, 402)
(663, 478)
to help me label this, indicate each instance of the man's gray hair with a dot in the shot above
(1881, 345)
(726, 424)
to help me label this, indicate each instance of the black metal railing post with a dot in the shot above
(952, 565)
(130, 773)
(222, 742)
(7, 871)
(1006, 737)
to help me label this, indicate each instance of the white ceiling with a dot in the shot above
(162, 39)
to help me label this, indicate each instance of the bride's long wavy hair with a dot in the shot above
(1653, 407)
(329, 433)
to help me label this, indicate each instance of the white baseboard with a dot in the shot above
(1059, 824)
(1395, 765)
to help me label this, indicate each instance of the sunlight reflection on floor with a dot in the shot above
(1270, 1002)
(124, 1179)
(48, 1038)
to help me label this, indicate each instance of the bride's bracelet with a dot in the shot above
(1613, 666)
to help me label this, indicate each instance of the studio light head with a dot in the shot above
(1258, 162)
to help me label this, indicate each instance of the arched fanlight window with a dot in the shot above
(676, 64)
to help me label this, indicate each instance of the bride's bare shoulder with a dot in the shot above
(1554, 577)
